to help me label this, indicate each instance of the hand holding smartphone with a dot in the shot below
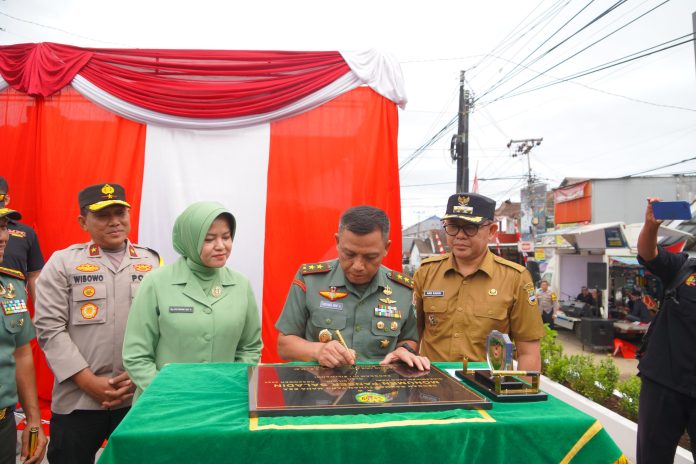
(671, 210)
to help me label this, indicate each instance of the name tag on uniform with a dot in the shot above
(434, 293)
(331, 305)
(11, 307)
(181, 309)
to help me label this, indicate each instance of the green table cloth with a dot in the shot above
(199, 413)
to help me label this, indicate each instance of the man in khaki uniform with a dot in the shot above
(463, 295)
(368, 303)
(82, 302)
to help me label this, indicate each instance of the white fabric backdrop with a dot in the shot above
(230, 166)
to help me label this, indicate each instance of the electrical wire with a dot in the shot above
(610, 64)
(583, 49)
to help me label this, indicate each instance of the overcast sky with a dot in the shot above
(627, 119)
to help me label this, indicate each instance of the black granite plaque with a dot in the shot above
(292, 390)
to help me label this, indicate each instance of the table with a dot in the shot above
(565, 321)
(199, 413)
(629, 328)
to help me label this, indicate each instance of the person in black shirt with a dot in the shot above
(667, 404)
(585, 296)
(639, 312)
(23, 253)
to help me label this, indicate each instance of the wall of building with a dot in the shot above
(624, 199)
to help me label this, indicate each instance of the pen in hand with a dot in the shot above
(342, 341)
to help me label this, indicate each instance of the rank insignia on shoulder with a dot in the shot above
(94, 250)
(400, 278)
(691, 280)
(132, 252)
(12, 272)
(315, 268)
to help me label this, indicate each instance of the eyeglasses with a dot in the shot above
(468, 228)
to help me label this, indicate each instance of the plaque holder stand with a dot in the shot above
(503, 385)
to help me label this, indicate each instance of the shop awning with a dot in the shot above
(627, 260)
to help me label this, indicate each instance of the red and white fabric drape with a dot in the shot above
(286, 140)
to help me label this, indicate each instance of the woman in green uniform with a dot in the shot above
(197, 309)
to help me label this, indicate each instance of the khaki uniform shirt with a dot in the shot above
(371, 323)
(16, 331)
(82, 304)
(459, 312)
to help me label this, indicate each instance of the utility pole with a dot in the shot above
(524, 147)
(459, 146)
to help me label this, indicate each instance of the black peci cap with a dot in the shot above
(470, 207)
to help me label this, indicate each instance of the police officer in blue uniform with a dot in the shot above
(17, 378)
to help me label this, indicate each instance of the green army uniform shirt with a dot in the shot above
(322, 300)
(16, 331)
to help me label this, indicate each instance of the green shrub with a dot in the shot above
(581, 375)
(557, 368)
(630, 389)
(550, 351)
(607, 376)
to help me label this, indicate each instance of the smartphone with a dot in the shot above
(671, 210)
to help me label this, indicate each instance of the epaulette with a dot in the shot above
(154, 252)
(315, 268)
(12, 273)
(400, 278)
(435, 259)
(515, 266)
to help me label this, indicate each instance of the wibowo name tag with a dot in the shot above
(181, 309)
(434, 293)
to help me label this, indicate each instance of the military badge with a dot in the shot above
(325, 336)
(88, 291)
(17, 233)
(394, 325)
(216, 291)
(387, 290)
(317, 268)
(2, 289)
(94, 250)
(108, 191)
(87, 267)
(332, 294)
(131, 251)
(691, 280)
(14, 307)
(432, 319)
(492, 292)
(384, 343)
(142, 267)
(10, 292)
(89, 310)
(380, 325)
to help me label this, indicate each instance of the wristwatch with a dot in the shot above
(408, 348)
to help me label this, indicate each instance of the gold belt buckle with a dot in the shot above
(3, 413)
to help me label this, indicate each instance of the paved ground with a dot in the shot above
(572, 345)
